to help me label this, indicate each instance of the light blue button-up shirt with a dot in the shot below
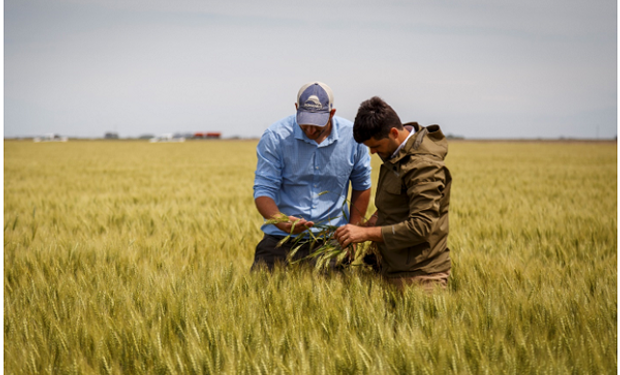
(294, 170)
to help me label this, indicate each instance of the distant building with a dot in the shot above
(167, 138)
(110, 135)
(208, 135)
(51, 138)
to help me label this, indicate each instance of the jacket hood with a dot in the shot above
(426, 141)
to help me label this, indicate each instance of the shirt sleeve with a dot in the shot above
(425, 184)
(360, 176)
(268, 176)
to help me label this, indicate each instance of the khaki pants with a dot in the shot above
(427, 282)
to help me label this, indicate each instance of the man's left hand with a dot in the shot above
(350, 234)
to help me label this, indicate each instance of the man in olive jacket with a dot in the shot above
(410, 226)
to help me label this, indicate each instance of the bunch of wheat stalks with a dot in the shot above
(330, 253)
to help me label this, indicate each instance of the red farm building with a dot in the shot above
(209, 135)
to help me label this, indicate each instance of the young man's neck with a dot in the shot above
(402, 136)
(399, 141)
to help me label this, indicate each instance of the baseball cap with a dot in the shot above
(314, 103)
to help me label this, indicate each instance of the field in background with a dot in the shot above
(130, 257)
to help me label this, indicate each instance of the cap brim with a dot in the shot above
(312, 118)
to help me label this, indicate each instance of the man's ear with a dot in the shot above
(394, 132)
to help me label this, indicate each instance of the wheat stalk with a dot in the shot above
(324, 254)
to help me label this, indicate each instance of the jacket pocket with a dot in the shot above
(393, 184)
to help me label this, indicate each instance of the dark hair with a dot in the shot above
(374, 119)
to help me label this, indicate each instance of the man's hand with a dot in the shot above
(300, 225)
(267, 207)
(351, 234)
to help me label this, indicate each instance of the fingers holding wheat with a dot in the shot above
(333, 249)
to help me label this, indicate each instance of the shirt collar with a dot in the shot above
(402, 144)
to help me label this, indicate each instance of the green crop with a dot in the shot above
(126, 257)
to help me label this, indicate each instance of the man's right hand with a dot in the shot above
(300, 225)
(267, 207)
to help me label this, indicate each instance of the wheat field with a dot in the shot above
(125, 257)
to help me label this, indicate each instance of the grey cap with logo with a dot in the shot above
(314, 104)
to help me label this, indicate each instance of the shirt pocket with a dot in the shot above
(336, 174)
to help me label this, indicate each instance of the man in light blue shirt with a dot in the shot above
(305, 164)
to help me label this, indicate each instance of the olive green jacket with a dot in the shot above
(413, 197)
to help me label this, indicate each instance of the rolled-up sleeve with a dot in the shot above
(425, 185)
(360, 176)
(268, 176)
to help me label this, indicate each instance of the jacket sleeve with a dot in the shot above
(268, 176)
(424, 185)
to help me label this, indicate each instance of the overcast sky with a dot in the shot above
(479, 68)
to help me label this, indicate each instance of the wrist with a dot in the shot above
(367, 234)
(375, 234)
